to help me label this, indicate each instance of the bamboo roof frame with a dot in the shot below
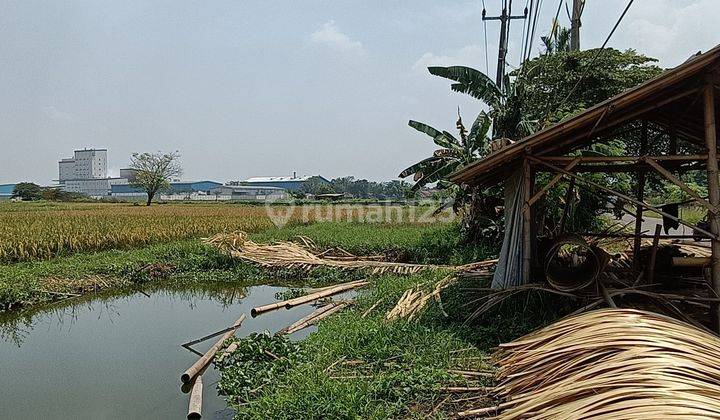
(652, 100)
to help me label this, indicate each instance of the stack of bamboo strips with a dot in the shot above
(292, 255)
(316, 295)
(609, 364)
(315, 317)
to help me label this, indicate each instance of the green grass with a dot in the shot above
(29, 283)
(397, 370)
(436, 243)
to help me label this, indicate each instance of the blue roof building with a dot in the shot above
(6, 191)
(175, 188)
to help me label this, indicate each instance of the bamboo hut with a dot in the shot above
(678, 110)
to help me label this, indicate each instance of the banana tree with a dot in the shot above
(453, 154)
(505, 106)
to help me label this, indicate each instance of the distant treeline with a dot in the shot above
(360, 188)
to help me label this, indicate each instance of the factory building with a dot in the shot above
(248, 193)
(197, 190)
(290, 183)
(6, 191)
(86, 173)
(85, 164)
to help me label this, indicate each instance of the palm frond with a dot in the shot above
(441, 138)
(470, 81)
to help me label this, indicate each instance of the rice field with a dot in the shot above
(38, 231)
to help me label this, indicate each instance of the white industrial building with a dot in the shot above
(248, 193)
(86, 173)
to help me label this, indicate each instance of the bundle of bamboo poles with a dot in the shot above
(414, 300)
(609, 364)
(293, 255)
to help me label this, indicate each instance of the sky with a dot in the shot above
(267, 88)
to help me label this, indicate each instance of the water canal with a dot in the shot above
(119, 355)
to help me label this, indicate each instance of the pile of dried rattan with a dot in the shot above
(609, 364)
(293, 255)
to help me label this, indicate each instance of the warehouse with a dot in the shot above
(196, 190)
(290, 183)
(248, 193)
(6, 191)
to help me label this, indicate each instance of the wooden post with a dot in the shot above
(566, 207)
(640, 195)
(653, 255)
(527, 221)
(713, 193)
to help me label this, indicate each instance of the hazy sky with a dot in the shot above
(260, 88)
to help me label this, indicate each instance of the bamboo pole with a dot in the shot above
(640, 195)
(624, 197)
(691, 261)
(195, 406)
(325, 293)
(308, 317)
(527, 220)
(328, 310)
(653, 255)
(714, 193)
(675, 180)
(202, 362)
(277, 305)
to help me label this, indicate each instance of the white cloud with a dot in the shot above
(331, 36)
(57, 115)
(469, 55)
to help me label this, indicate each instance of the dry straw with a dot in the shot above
(609, 364)
(292, 255)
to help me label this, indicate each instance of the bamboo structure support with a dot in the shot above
(713, 192)
(624, 197)
(202, 362)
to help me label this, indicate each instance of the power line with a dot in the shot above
(487, 66)
(532, 34)
(595, 57)
(597, 54)
(527, 32)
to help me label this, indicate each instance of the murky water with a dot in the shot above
(120, 356)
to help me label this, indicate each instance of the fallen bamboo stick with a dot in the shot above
(202, 362)
(308, 317)
(195, 406)
(325, 293)
(277, 305)
(317, 318)
(458, 389)
(691, 261)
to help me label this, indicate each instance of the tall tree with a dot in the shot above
(154, 171)
(28, 191)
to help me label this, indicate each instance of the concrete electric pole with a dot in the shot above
(504, 18)
(578, 6)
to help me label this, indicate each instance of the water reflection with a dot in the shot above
(118, 354)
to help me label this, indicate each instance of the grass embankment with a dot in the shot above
(368, 367)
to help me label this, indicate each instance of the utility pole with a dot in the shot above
(578, 6)
(504, 18)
